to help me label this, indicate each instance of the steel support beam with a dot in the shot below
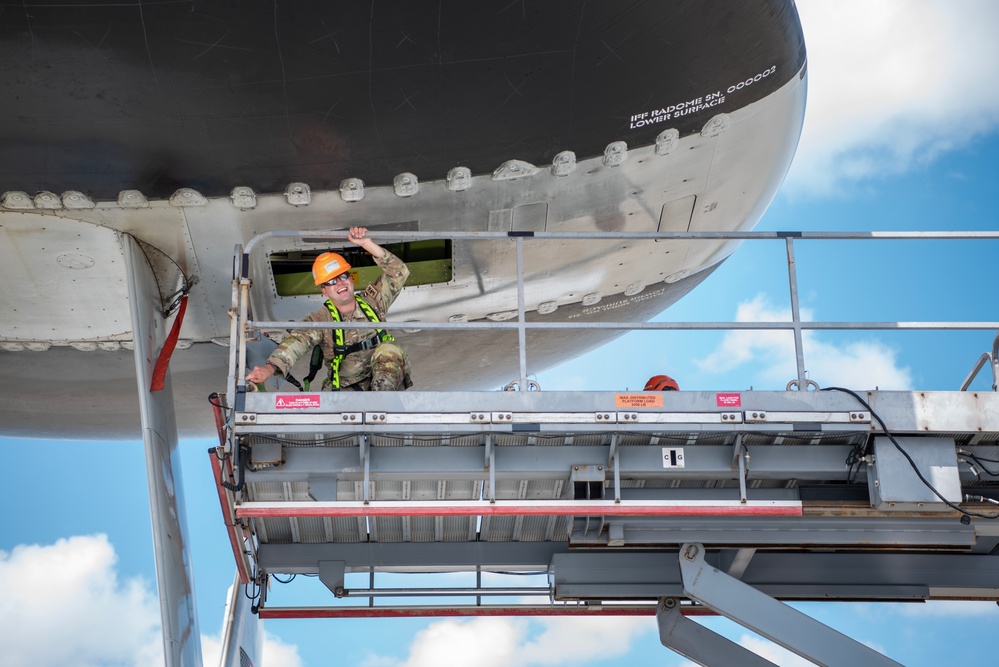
(770, 618)
(695, 642)
(839, 531)
(769, 462)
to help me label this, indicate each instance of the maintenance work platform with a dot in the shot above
(673, 504)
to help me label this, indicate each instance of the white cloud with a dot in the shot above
(211, 649)
(496, 642)
(861, 365)
(484, 642)
(62, 604)
(776, 654)
(279, 654)
(782, 657)
(567, 640)
(892, 84)
(276, 653)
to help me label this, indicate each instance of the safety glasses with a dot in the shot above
(333, 281)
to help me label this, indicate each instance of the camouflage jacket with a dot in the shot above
(355, 367)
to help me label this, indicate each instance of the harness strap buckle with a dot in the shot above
(369, 343)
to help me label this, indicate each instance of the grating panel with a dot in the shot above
(507, 489)
(499, 529)
(265, 491)
(422, 528)
(424, 490)
(534, 529)
(560, 527)
(462, 490)
(387, 529)
(547, 489)
(387, 490)
(278, 531)
(347, 530)
(458, 528)
(468, 440)
(275, 491)
(311, 530)
(348, 490)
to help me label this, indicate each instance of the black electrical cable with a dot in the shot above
(180, 294)
(978, 475)
(854, 460)
(982, 458)
(908, 458)
(238, 486)
(283, 581)
(979, 461)
(214, 401)
(256, 590)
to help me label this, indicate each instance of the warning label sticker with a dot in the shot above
(729, 400)
(296, 401)
(638, 400)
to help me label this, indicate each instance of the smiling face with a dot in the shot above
(340, 292)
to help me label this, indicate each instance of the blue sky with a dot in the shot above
(901, 133)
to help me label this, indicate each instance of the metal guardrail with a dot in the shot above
(242, 326)
(993, 359)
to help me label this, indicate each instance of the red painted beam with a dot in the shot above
(424, 612)
(516, 508)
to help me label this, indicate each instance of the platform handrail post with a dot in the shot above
(235, 333)
(615, 460)
(242, 314)
(993, 359)
(521, 315)
(792, 275)
(995, 363)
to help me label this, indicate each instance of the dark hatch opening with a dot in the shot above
(429, 263)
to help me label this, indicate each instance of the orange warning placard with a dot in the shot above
(638, 400)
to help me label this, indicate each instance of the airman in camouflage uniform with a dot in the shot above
(382, 367)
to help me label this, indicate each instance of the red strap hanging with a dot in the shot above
(159, 371)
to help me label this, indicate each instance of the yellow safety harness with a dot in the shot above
(340, 350)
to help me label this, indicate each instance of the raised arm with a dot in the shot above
(358, 236)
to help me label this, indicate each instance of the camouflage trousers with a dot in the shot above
(389, 371)
(388, 368)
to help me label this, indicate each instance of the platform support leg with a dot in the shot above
(695, 642)
(770, 618)
(174, 574)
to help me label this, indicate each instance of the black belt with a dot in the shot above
(350, 387)
(367, 344)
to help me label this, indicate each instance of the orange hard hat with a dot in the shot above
(661, 383)
(328, 266)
